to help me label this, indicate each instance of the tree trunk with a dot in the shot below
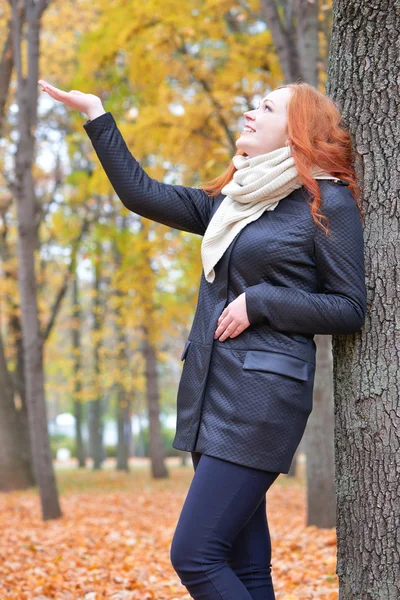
(156, 449)
(77, 357)
(14, 418)
(363, 79)
(321, 502)
(6, 66)
(185, 459)
(295, 32)
(307, 39)
(20, 389)
(140, 448)
(283, 35)
(124, 429)
(156, 446)
(294, 28)
(95, 407)
(293, 467)
(123, 400)
(23, 188)
(15, 469)
(123, 405)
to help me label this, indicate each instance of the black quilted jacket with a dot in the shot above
(247, 399)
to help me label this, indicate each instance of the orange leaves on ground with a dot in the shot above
(114, 538)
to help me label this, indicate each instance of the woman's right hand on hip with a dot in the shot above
(86, 103)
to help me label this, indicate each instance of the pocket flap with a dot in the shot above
(276, 362)
(185, 349)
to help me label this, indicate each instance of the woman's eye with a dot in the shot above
(266, 106)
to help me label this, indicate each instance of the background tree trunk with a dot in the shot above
(76, 349)
(284, 35)
(123, 398)
(95, 406)
(23, 189)
(295, 28)
(124, 429)
(14, 413)
(18, 378)
(363, 78)
(15, 469)
(293, 467)
(156, 445)
(185, 458)
(307, 39)
(123, 401)
(319, 446)
(156, 449)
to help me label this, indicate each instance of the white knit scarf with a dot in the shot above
(257, 185)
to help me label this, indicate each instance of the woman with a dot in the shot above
(283, 259)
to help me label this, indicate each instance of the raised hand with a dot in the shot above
(86, 103)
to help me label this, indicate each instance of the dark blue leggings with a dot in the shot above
(221, 547)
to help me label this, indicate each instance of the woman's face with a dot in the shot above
(266, 126)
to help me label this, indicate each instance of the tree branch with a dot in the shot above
(64, 287)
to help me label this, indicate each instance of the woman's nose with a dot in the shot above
(249, 114)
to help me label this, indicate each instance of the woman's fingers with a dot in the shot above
(73, 98)
(56, 93)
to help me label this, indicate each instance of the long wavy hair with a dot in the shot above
(317, 136)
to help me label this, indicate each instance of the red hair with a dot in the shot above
(316, 136)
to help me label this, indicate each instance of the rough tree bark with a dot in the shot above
(363, 78)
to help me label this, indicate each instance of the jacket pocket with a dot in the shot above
(275, 362)
(185, 349)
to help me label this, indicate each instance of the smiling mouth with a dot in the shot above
(248, 129)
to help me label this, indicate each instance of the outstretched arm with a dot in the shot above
(340, 305)
(177, 206)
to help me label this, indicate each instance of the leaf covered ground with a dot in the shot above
(114, 537)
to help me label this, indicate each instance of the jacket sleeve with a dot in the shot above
(177, 206)
(340, 304)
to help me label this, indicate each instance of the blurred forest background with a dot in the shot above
(96, 302)
(115, 292)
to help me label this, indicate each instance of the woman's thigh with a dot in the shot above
(251, 548)
(222, 498)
